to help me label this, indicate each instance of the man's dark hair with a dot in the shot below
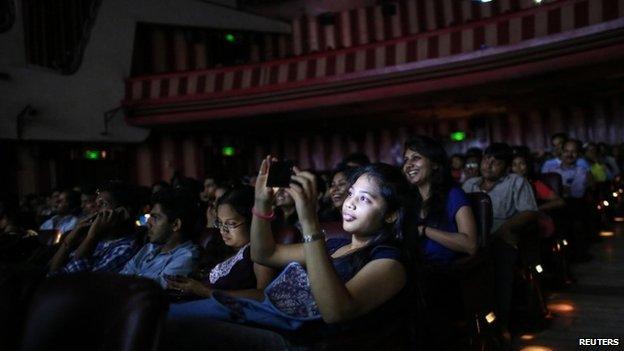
(341, 168)
(73, 200)
(9, 211)
(578, 143)
(241, 199)
(122, 195)
(474, 152)
(500, 151)
(191, 185)
(357, 158)
(179, 204)
(561, 135)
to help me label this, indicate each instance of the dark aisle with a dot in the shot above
(593, 307)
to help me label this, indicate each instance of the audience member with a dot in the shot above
(606, 153)
(557, 141)
(103, 241)
(237, 275)
(355, 160)
(67, 210)
(337, 194)
(210, 186)
(598, 169)
(457, 167)
(446, 224)
(286, 211)
(336, 282)
(170, 250)
(546, 198)
(87, 203)
(576, 181)
(443, 226)
(575, 178)
(514, 213)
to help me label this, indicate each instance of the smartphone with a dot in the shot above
(142, 221)
(279, 174)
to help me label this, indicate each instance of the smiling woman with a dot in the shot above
(322, 283)
(445, 223)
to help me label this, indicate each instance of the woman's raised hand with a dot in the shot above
(264, 194)
(304, 191)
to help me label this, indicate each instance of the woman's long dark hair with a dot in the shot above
(441, 180)
(393, 188)
(241, 199)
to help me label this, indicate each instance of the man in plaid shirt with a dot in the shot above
(108, 256)
(100, 243)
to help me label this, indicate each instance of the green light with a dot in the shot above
(228, 151)
(458, 136)
(230, 37)
(92, 154)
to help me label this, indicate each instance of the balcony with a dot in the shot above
(553, 36)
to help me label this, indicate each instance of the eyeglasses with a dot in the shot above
(227, 227)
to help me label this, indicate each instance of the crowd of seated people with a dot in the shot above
(217, 247)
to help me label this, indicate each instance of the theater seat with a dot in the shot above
(333, 230)
(481, 205)
(555, 249)
(207, 237)
(476, 280)
(95, 312)
(553, 181)
(287, 235)
(529, 301)
(473, 277)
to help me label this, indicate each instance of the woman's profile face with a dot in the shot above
(283, 199)
(364, 208)
(233, 227)
(338, 189)
(416, 167)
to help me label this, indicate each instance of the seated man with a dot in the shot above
(575, 178)
(558, 140)
(170, 227)
(67, 209)
(514, 211)
(102, 242)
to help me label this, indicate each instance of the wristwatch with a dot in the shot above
(307, 238)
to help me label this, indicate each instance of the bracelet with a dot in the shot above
(308, 238)
(266, 217)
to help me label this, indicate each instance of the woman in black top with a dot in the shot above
(237, 275)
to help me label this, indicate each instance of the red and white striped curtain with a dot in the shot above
(599, 121)
(369, 24)
(168, 49)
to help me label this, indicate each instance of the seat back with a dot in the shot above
(334, 230)
(207, 237)
(287, 234)
(482, 208)
(95, 312)
(553, 181)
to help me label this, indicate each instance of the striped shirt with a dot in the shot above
(108, 256)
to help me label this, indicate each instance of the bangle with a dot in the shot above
(267, 217)
(308, 238)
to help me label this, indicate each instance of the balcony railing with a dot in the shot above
(321, 70)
